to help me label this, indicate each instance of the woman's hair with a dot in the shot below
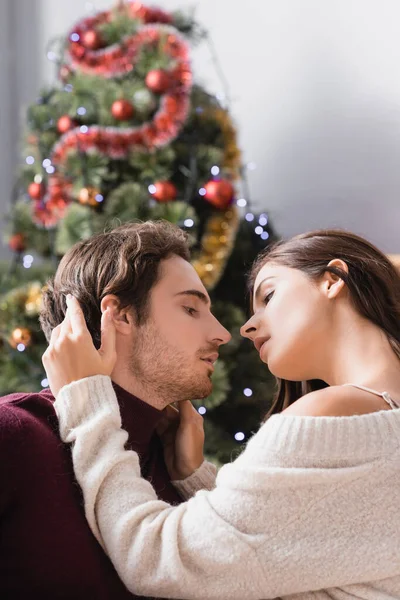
(124, 261)
(372, 280)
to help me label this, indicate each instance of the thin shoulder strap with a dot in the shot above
(392, 403)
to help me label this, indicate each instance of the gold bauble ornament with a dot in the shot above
(88, 195)
(33, 300)
(20, 335)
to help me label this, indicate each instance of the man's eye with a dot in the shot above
(190, 310)
(268, 297)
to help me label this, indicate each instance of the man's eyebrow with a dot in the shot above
(200, 295)
(258, 291)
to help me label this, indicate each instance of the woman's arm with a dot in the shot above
(190, 551)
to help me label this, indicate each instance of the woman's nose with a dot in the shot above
(248, 329)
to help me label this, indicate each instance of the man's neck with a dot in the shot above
(131, 384)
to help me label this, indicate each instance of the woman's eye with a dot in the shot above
(268, 297)
(190, 310)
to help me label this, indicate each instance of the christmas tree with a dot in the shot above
(126, 134)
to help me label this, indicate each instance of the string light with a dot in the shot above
(188, 222)
(239, 436)
(44, 383)
(27, 261)
(202, 191)
(152, 189)
(84, 129)
(259, 230)
(29, 160)
(50, 170)
(81, 111)
(74, 37)
(215, 170)
(21, 347)
(241, 202)
(46, 162)
(249, 217)
(202, 410)
(248, 392)
(68, 87)
(52, 56)
(263, 220)
(99, 198)
(264, 235)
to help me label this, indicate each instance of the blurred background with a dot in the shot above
(314, 90)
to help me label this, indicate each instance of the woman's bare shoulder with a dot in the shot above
(336, 401)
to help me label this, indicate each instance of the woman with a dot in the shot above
(310, 508)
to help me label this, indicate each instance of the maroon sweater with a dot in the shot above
(47, 550)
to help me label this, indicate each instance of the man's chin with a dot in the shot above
(204, 391)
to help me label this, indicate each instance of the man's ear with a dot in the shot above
(123, 318)
(333, 284)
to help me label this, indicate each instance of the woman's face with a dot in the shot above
(291, 320)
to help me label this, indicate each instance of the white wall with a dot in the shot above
(19, 83)
(315, 88)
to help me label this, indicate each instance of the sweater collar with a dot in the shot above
(139, 419)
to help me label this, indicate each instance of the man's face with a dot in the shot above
(174, 350)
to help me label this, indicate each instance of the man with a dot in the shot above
(166, 342)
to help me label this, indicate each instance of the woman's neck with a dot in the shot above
(361, 353)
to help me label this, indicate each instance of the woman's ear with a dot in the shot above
(333, 284)
(122, 317)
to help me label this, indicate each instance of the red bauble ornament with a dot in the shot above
(158, 81)
(65, 123)
(92, 40)
(164, 191)
(122, 110)
(219, 192)
(17, 242)
(49, 214)
(36, 190)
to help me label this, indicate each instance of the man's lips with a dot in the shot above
(259, 341)
(211, 358)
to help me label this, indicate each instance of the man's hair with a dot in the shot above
(124, 261)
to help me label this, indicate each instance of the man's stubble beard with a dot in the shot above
(163, 371)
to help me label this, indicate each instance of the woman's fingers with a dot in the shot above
(55, 334)
(188, 412)
(75, 316)
(169, 421)
(65, 326)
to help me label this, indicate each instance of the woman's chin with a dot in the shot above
(280, 368)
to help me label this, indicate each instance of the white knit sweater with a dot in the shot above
(313, 503)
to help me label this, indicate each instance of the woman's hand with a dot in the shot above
(71, 354)
(182, 434)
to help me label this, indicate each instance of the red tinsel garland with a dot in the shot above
(115, 61)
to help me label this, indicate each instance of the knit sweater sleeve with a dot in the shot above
(271, 527)
(202, 479)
